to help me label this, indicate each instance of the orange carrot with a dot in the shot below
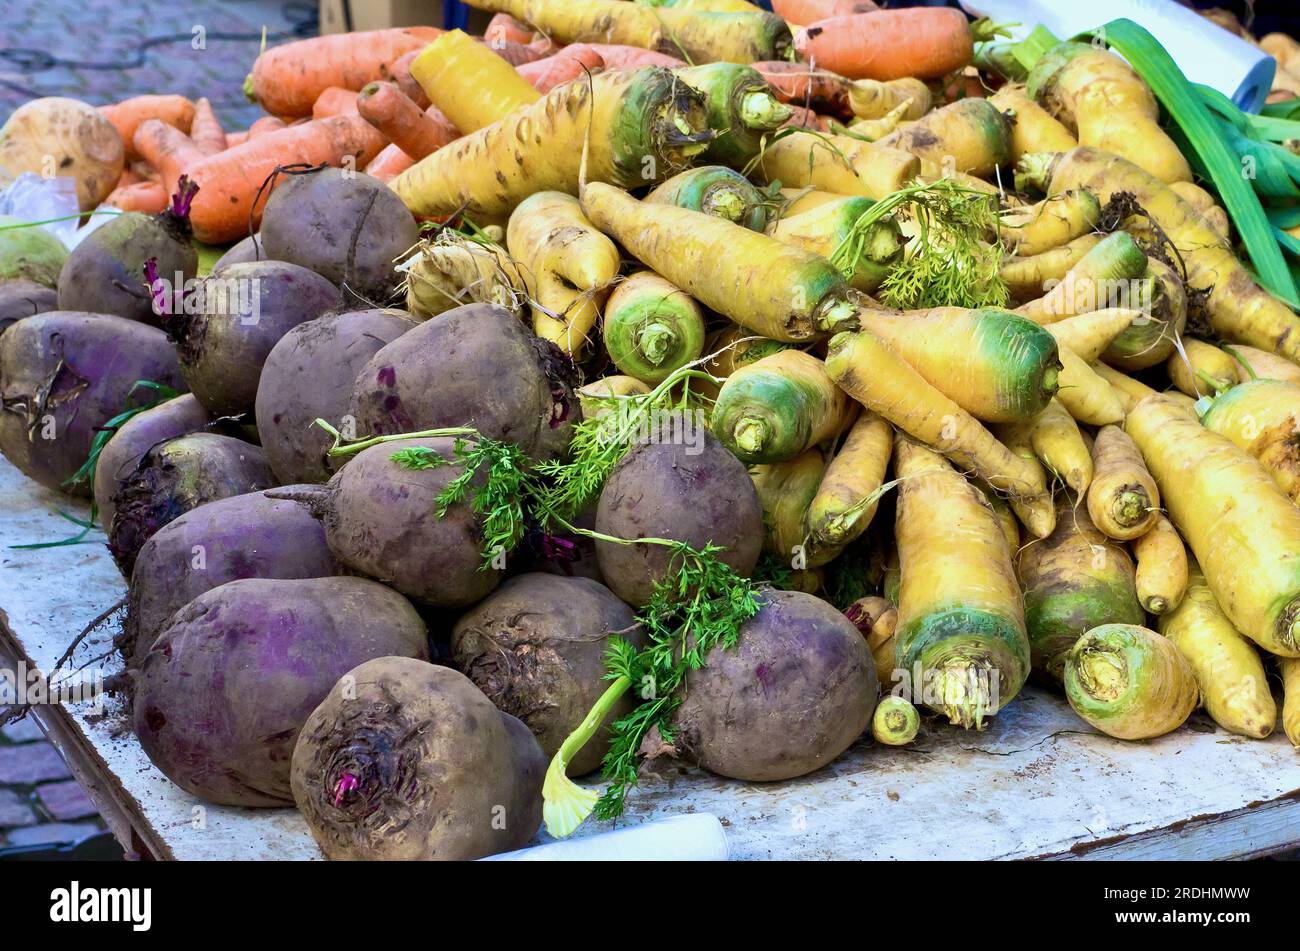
(287, 79)
(205, 131)
(334, 101)
(503, 28)
(800, 85)
(236, 138)
(627, 57)
(147, 197)
(229, 182)
(128, 177)
(807, 119)
(264, 125)
(803, 12)
(144, 171)
(409, 127)
(926, 42)
(516, 54)
(546, 74)
(406, 82)
(167, 149)
(389, 163)
(127, 115)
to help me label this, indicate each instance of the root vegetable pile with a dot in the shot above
(659, 380)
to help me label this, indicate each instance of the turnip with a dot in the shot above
(536, 647)
(307, 376)
(387, 520)
(106, 271)
(29, 253)
(244, 536)
(22, 298)
(691, 491)
(348, 227)
(65, 137)
(63, 375)
(474, 366)
(176, 476)
(126, 447)
(406, 760)
(240, 314)
(221, 696)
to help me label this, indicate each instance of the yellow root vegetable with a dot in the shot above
(451, 271)
(1129, 391)
(961, 626)
(1033, 129)
(1049, 224)
(1107, 276)
(799, 200)
(1205, 205)
(969, 136)
(469, 83)
(1029, 278)
(785, 490)
(778, 407)
(1255, 364)
(1198, 368)
(567, 265)
(846, 500)
(877, 377)
(736, 346)
(1110, 107)
(1056, 441)
(777, 291)
(1234, 687)
(895, 722)
(1087, 396)
(595, 396)
(1154, 335)
(826, 227)
(874, 99)
(1123, 500)
(1161, 567)
(1239, 309)
(651, 327)
(1088, 335)
(995, 365)
(1263, 418)
(875, 129)
(698, 36)
(837, 163)
(632, 127)
(1038, 514)
(1129, 682)
(1243, 531)
(1291, 703)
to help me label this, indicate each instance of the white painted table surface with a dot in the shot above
(1037, 783)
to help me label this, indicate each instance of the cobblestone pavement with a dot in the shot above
(55, 48)
(40, 802)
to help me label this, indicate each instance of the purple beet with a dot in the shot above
(221, 697)
(22, 298)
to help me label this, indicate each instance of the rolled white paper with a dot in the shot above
(696, 837)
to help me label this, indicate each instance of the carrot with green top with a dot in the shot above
(469, 83)
(828, 226)
(1028, 278)
(701, 37)
(715, 190)
(778, 407)
(777, 291)
(1153, 337)
(1105, 276)
(995, 365)
(961, 624)
(632, 128)
(651, 327)
(875, 375)
(846, 499)
(1239, 309)
(742, 110)
(1129, 682)
(1244, 532)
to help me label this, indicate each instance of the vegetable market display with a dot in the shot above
(664, 380)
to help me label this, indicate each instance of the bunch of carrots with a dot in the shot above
(911, 294)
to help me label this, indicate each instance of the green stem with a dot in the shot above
(750, 434)
(655, 341)
(565, 804)
(725, 203)
(836, 316)
(762, 111)
(341, 449)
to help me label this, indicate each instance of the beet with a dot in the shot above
(106, 271)
(671, 490)
(123, 452)
(239, 315)
(62, 376)
(243, 536)
(348, 227)
(301, 382)
(220, 698)
(22, 298)
(176, 476)
(409, 761)
(241, 252)
(474, 366)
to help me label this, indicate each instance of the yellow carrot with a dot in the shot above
(1088, 335)
(1123, 499)
(1129, 682)
(469, 83)
(1161, 567)
(1033, 129)
(1198, 368)
(1087, 396)
(838, 164)
(846, 500)
(1056, 440)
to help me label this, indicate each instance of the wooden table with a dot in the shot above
(1039, 783)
